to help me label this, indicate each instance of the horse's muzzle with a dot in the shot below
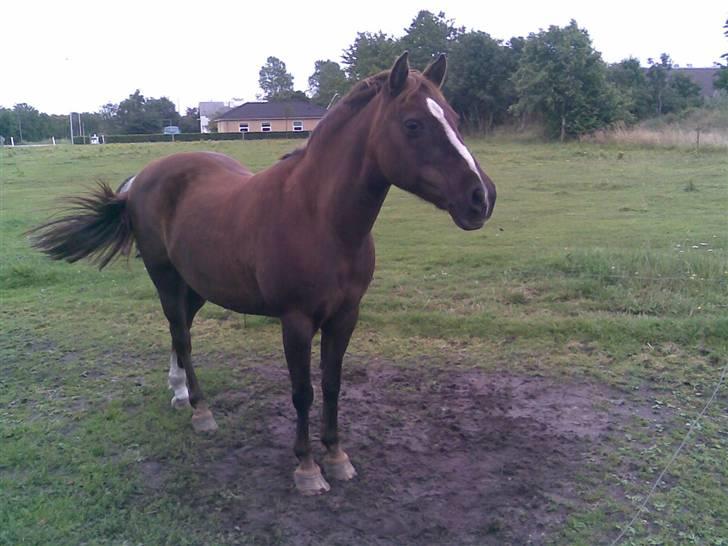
(475, 206)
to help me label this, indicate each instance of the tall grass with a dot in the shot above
(664, 137)
(674, 130)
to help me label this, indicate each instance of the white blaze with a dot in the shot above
(177, 379)
(437, 111)
(439, 114)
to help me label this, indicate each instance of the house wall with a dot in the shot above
(277, 125)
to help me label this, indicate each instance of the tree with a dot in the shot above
(32, 126)
(427, 36)
(130, 115)
(8, 124)
(370, 54)
(657, 78)
(327, 81)
(721, 77)
(139, 115)
(108, 114)
(684, 93)
(564, 79)
(190, 122)
(670, 92)
(479, 86)
(630, 81)
(274, 80)
(161, 111)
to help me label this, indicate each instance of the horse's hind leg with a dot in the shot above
(180, 304)
(178, 377)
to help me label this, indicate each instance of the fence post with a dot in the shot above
(12, 142)
(53, 139)
(697, 139)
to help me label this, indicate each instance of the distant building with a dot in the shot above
(703, 77)
(209, 111)
(265, 117)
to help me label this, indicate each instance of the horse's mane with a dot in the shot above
(360, 95)
(354, 101)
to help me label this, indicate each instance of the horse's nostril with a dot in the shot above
(477, 198)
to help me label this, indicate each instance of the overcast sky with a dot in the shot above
(77, 55)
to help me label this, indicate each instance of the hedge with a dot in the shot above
(193, 137)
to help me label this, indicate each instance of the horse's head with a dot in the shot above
(419, 148)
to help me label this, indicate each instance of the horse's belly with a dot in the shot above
(238, 292)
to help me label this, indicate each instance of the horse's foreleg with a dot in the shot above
(297, 333)
(334, 341)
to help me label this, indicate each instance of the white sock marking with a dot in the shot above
(177, 379)
(437, 111)
(127, 185)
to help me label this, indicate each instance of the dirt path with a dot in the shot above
(444, 457)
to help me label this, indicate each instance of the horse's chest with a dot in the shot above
(316, 282)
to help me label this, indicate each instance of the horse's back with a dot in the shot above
(216, 168)
(171, 180)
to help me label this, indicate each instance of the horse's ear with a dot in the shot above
(398, 74)
(436, 70)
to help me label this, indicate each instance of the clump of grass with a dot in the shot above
(26, 276)
(515, 298)
(690, 186)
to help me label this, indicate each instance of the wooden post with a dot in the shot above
(697, 139)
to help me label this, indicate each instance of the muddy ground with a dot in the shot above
(446, 456)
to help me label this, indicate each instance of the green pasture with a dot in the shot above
(600, 262)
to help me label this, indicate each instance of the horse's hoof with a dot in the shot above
(180, 403)
(310, 482)
(203, 421)
(339, 467)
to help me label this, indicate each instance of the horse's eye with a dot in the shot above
(412, 126)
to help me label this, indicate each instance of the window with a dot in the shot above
(265, 126)
(298, 126)
(244, 128)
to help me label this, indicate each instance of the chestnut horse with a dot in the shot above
(293, 241)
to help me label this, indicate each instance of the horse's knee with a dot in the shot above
(302, 397)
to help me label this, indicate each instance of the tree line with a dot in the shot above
(554, 77)
(134, 115)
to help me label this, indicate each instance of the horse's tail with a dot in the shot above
(96, 226)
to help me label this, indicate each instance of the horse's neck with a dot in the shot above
(347, 183)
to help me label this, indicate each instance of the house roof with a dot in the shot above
(274, 110)
(703, 77)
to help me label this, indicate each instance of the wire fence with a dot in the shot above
(674, 456)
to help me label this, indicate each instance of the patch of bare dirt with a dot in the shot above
(444, 456)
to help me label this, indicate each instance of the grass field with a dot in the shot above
(602, 265)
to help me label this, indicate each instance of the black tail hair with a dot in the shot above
(96, 226)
